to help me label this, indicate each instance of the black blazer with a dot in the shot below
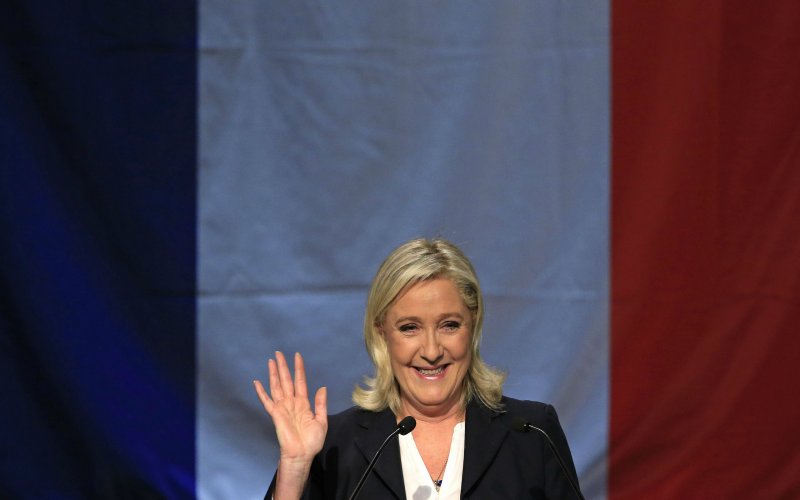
(499, 462)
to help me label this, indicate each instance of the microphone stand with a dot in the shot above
(523, 426)
(403, 427)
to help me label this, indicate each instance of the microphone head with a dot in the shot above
(519, 424)
(406, 425)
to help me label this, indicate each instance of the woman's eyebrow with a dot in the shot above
(456, 315)
(407, 318)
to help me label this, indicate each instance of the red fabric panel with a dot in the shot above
(705, 333)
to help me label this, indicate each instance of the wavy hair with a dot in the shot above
(410, 263)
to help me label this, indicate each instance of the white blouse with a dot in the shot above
(418, 483)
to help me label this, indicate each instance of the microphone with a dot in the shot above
(406, 425)
(403, 427)
(520, 425)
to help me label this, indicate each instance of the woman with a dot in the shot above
(422, 329)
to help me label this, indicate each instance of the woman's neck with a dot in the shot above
(453, 414)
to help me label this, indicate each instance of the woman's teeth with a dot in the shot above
(435, 371)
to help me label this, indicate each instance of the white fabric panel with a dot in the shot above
(332, 132)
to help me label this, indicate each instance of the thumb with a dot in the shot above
(321, 406)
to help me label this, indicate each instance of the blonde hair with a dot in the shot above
(415, 261)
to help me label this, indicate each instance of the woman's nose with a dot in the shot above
(431, 348)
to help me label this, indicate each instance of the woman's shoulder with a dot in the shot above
(534, 412)
(356, 417)
(355, 413)
(348, 414)
(345, 418)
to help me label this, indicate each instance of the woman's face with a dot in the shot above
(428, 330)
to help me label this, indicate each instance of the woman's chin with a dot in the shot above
(431, 400)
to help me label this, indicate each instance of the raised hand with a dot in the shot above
(301, 432)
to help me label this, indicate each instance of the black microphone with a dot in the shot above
(403, 427)
(520, 425)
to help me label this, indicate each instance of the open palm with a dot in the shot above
(301, 432)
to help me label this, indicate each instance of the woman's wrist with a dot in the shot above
(293, 471)
(295, 465)
(291, 478)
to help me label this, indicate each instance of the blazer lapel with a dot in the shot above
(373, 430)
(482, 439)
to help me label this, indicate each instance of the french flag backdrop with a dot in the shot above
(187, 187)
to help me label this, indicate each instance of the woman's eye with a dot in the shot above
(407, 328)
(452, 325)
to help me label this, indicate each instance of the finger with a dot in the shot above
(300, 385)
(263, 396)
(285, 376)
(321, 406)
(274, 381)
(274, 411)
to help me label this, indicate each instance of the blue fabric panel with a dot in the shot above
(331, 132)
(97, 263)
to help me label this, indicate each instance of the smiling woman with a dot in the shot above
(414, 265)
(427, 332)
(422, 328)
